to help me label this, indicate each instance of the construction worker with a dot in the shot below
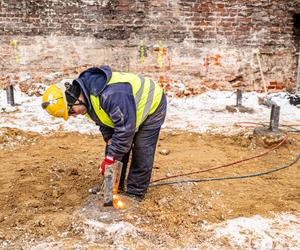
(129, 110)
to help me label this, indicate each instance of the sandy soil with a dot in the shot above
(44, 182)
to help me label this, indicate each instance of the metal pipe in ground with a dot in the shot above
(274, 119)
(297, 91)
(238, 98)
(10, 95)
(112, 177)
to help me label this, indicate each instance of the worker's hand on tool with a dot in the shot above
(108, 160)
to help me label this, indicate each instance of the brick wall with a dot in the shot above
(194, 41)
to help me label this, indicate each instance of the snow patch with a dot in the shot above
(202, 113)
(93, 227)
(281, 232)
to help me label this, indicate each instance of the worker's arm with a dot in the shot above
(118, 102)
(106, 132)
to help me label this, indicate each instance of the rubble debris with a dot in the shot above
(294, 99)
(164, 151)
(241, 109)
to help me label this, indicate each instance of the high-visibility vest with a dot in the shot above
(147, 95)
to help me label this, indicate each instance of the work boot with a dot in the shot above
(96, 189)
(135, 197)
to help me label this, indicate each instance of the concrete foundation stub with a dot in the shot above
(266, 137)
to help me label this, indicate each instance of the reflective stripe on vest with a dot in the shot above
(146, 93)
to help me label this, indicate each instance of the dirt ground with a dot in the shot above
(45, 179)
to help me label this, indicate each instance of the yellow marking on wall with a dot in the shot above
(142, 52)
(14, 44)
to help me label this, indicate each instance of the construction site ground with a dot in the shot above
(45, 180)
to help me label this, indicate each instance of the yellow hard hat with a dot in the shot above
(55, 101)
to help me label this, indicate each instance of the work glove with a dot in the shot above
(107, 161)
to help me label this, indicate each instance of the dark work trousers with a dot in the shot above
(143, 151)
